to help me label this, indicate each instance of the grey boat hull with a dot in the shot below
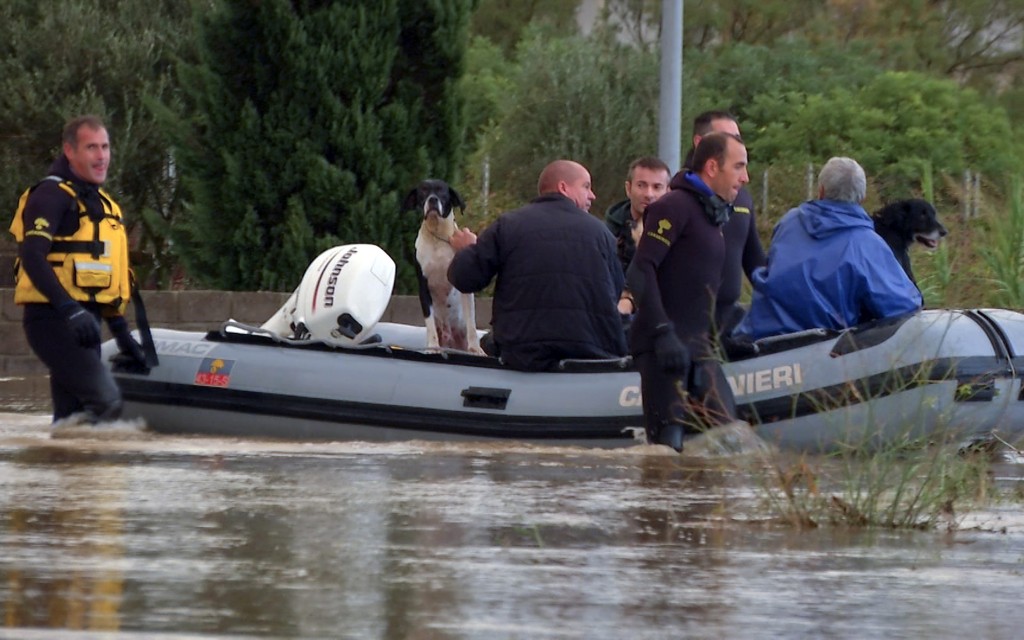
(935, 374)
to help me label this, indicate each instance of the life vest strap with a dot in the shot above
(94, 248)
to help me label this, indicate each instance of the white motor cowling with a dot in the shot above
(343, 294)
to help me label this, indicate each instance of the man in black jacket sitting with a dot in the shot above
(558, 275)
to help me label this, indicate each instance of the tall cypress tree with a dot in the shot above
(312, 120)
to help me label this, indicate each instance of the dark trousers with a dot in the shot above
(79, 383)
(679, 404)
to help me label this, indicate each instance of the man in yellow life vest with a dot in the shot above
(72, 272)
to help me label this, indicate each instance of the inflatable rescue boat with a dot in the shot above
(324, 368)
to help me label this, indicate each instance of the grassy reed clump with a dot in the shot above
(1004, 253)
(911, 485)
(905, 472)
(935, 284)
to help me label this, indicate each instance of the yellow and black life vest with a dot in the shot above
(91, 264)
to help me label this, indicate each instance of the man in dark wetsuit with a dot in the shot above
(675, 276)
(743, 250)
(646, 181)
(73, 271)
(558, 277)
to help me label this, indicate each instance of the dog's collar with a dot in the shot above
(444, 240)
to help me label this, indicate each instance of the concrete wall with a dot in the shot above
(189, 310)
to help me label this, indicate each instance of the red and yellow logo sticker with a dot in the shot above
(214, 372)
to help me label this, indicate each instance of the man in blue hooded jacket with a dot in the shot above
(827, 267)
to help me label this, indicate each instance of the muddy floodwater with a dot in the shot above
(116, 532)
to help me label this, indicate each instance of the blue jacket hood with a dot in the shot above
(823, 218)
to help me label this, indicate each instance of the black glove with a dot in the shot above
(131, 357)
(83, 325)
(738, 347)
(672, 354)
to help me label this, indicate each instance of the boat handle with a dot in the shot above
(485, 397)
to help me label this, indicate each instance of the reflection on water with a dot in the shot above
(84, 590)
(118, 529)
(30, 394)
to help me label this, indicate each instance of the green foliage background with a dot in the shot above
(310, 121)
(582, 98)
(248, 136)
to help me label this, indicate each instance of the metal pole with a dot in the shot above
(486, 190)
(976, 195)
(967, 194)
(670, 107)
(764, 194)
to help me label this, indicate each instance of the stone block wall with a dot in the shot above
(8, 252)
(189, 311)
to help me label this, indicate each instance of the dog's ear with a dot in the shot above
(919, 212)
(900, 217)
(927, 209)
(457, 200)
(886, 216)
(410, 200)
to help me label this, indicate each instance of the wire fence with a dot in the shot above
(781, 187)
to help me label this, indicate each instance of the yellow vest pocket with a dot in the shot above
(93, 275)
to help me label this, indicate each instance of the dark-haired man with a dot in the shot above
(646, 181)
(743, 250)
(675, 276)
(73, 270)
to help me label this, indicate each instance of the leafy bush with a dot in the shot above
(756, 82)
(592, 100)
(898, 126)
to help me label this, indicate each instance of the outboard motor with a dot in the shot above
(342, 296)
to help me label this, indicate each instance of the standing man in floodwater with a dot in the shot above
(675, 276)
(73, 271)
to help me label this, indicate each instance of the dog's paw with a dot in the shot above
(476, 350)
(433, 342)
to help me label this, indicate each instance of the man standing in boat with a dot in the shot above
(72, 271)
(558, 275)
(674, 277)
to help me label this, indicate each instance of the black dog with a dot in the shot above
(449, 314)
(904, 222)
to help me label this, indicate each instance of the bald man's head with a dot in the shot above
(571, 179)
(558, 171)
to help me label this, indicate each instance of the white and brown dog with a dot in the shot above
(449, 314)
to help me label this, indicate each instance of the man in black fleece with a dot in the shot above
(646, 181)
(558, 275)
(675, 277)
